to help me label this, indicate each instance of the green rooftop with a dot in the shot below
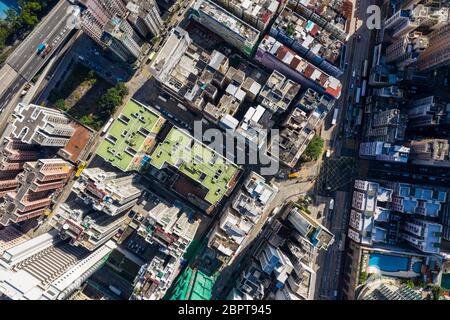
(191, 285)
(197, 161)
(130, 136)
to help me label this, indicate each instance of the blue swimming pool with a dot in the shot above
(389, 263)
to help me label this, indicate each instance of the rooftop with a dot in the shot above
(233, 23)
(278, 92)
(330, 85)
(130, 136)
(197, 161)
(311, 37)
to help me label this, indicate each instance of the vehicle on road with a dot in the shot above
(358, 95)
(335, 115)
(25, 89)
(365, 68)
(41, 47)
(47, 50)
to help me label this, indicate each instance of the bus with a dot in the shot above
(364, 87)
(107, 125)
(358, 95)
(335, 115)
(365, 68)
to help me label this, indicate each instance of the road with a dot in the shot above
(23, 64)
(51, 30)
(330, 273)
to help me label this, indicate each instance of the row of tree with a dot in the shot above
(16, 23)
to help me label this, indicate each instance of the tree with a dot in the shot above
(61, 104)
(314, 149)
(28, 18)
(112, 99)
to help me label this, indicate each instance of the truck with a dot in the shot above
(364, 87)
(47, 50)
(365, 68)
(335, 115)
(41, 47)
(115, 290)
(107, 125)
(358, 95)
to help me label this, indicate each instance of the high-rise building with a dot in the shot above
(37, 184)
(145, 17)
(108, 192)
(437, 53)
(432, 152)
(406, 49)
(46, 268)
(310, 40)
(97, 13)
(13, 155)
(232, 29)
(46, 127)
(423, 235)
(387, 126)
(257, 13)
(383, 151)
(122, 40)
(428, 112)
(276, 56)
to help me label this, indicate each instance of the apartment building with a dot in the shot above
(97, 13)
(257, 13)
(13, 156)
(428, 112)
(46, 127)
(170, 231)
(405, 50)
(276, 56)
(238, 221)
(301, 126)
(278, 93)
(311, 41)
(46, 268)
(430, 152)
(119, 37)
(233, 30)
(437, 53)
(386, 126)
(334, 16)
(384, 214)
(107, 192)
(382, 151)
(37, 185)
(145, 17)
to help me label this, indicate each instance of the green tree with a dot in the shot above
(314, 149)
(28, 18)
(61, 104)
(112, 99)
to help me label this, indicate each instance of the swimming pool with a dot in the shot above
(388, 263)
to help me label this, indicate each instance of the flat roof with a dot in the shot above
(227, 19)
(132, 133)
(197, 161)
